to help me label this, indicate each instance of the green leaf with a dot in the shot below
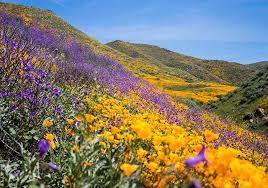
(27, 137)
(32, 131)
(12, 131)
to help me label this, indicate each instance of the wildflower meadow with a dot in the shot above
(72, 118)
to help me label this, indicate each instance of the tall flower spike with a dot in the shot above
(201, 157)
(43, 147)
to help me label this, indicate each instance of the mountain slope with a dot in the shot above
(206, 70)
(167, 60)
(49, 20)
(262, 65)
(178, 76)
(160, 75)
(245, 100)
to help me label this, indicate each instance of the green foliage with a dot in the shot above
(33, 172)
(245, 100)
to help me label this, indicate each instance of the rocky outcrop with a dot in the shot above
(257, 118)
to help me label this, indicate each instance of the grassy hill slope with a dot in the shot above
(167, 60)
(262, 65)
(178, 76)
(205, 70)
(245, 100)
(157, 73)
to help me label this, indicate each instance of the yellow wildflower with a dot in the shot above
(128, 169)
(50, 138)
(114, 130)
(87, 164)
(142, 130)
(69, 131)
(52, 144)
(79, 118)
(88, 100)
(70, 121)
(75, 148)
(174, 142)
(152, 166)
(90, 118)
(210, 136)
(47, 123)
(141, 153)
(157, 140)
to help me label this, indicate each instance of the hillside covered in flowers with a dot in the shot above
(74, 117)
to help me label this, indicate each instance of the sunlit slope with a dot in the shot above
(167, 60)
(50, 20)
(182, 77)
(152, 69)
(147, 68)
(205, 70)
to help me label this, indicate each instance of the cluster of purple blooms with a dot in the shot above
(25, 81)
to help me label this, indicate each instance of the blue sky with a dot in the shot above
(233, 30)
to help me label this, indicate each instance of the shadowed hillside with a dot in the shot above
(242, 103)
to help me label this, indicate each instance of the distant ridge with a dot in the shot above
(197, 69)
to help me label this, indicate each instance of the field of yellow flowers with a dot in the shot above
(72, 118)
(200, 91)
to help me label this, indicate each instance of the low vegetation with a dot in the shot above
(245, 100)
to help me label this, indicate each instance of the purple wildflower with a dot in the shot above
(43, 147)
(27, 95)
(5, 94)
(53, 167)
(48, 85)
(33, 114)
(28, 67)
(41, 73)
(13, 108)
(18, 95)
(36, 102)
(201, 157)
(58, 110)
(55, 91)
